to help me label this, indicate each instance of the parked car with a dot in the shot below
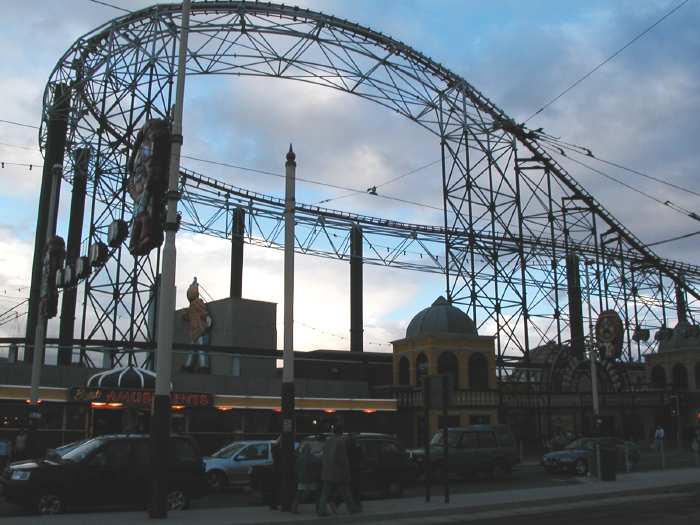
(385, 466)
(473, 450)
(232, 464)
(578, 456)
(59, 452)
(104, 471)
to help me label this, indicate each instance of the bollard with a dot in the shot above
(627, 457)
(522, 455)
(597, 460)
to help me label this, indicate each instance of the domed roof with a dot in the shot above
(126, 377)
(440, 318)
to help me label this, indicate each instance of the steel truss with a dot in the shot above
(512, 213)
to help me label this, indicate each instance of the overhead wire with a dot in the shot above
(666, 203)
(611, 57)
(588, 152)
(18, 124)
(107, 4)
(679, 238)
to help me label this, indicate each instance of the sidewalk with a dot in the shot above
(410, 511)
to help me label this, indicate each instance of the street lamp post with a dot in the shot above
(592, 353)
(160, 418)
(287, 438)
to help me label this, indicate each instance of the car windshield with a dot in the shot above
(228, 450)
(82, 451)
(452, 438)
(580, 444)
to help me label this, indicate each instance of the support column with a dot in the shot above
(573, 281)
(356, 284)
(237, 234)
(681, 310)
(288, 430)
(160, 410)
(55, 146)
(75, 233)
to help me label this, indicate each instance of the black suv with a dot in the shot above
(106, 470)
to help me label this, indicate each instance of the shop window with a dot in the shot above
(658, 377)
(421, 368)
(478, 372)
(404, 371)
(448, 365)
(680, 377)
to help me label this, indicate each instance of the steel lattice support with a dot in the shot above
(512, 214)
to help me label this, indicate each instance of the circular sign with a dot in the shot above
(608, 331)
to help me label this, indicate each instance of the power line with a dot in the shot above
(5, 163)
(611, 57)
(10, 319)
(680, 237)
(587, 152)
(18, 124)
(18, 146)
(310, 181)
(667, 203)
(106, 4)
(416, 170)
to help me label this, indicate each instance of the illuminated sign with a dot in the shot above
(142, 398)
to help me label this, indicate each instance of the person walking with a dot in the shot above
(659, 435)
(355, 459)
(335, 472)
(306, 481)
(273, 482)
(21, 449)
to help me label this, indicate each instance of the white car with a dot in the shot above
(232, 464)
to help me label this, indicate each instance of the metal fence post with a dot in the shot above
(597, 460)
(627, 457)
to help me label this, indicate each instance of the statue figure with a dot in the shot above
(200, 327)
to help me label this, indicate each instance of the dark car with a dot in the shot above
(579, 455)
(485, 450)
(384, 467)
(104, 471)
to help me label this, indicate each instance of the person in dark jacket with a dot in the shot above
(335, 472)
(273, 482)
(355, 459)
(306, 477)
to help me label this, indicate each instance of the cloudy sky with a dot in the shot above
(639, 110)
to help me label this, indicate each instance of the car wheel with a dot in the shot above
(49, 502)
(178, 500)
(216, 479)
(394, 489)
(581, 467)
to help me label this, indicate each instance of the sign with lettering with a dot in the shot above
(143, 398)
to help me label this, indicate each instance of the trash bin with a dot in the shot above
(608, 462)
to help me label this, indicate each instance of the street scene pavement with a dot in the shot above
(530, 495)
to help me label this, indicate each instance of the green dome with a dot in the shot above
(441, 318)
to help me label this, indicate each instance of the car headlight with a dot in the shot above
(21, 475)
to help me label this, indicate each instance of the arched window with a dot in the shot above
(658, 377)
(404, 372)
(421, 368)
(697, 375)
(478, 372)
(680, 377)
(447, 364)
